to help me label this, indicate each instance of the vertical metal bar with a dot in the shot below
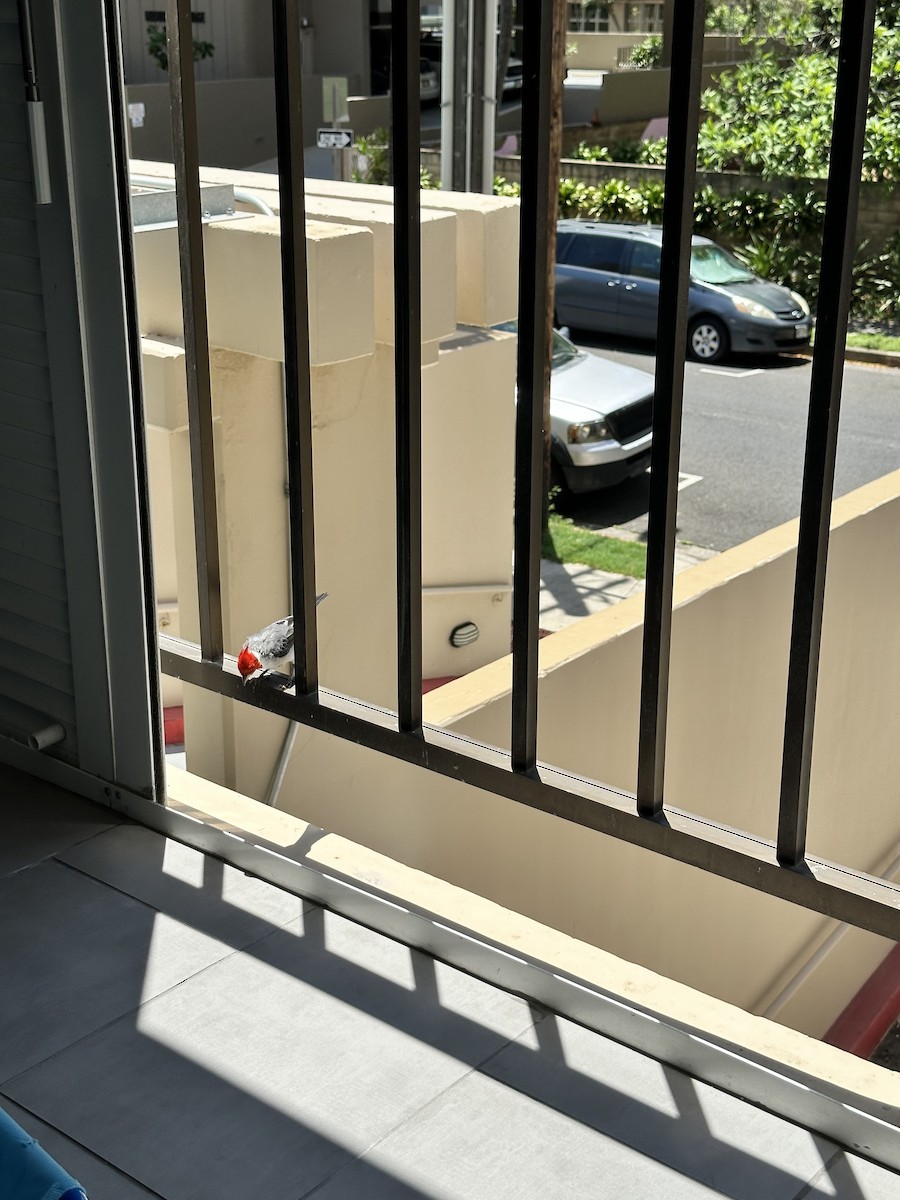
(671, 340)
(475, 148)
(535, 224)
(183, 102)
(298, 401)
(460, 112)
(26, 39)
(488, 100)
(842, 199)
(407, 357)
(123, 188)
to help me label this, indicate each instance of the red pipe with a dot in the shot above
(871, 1012)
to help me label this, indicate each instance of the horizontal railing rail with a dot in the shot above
(780, 867)
(827, 888)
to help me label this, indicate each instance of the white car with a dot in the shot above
(601, 416)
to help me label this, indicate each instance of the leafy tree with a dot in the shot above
(158, 49)
(646, 54)
(772, 117)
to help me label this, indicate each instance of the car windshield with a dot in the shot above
(712, 264)
(563, 350)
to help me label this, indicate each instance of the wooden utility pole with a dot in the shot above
(505, 15)
(668, 23)
(558, 51)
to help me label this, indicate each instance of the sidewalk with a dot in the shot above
(570, 592)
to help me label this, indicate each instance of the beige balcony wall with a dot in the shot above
(438, 302)
(487, 236)
(354, 547)
(729, 646)
(468, 416)
(243, 287)
(727, 704)
(468, 423)
(487, 246)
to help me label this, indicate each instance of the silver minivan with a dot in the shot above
(607, 280)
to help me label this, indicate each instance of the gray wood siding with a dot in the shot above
(35, 647)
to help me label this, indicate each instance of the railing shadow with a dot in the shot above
(277, 1068)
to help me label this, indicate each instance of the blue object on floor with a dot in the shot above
(27, 1172)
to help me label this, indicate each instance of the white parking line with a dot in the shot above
(685, 480)
(732, 374)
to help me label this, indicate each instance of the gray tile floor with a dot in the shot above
(176, 1029)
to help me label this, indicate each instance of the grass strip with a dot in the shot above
(873, 341)
(566, 542)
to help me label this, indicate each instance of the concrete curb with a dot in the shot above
(884, 358)
(880, 358)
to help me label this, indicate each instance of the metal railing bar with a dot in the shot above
(183, 102)
(298, 398)
(668, 396)
(474, 173)
(405, 85)
(460, 90)
(535, 224)
(872, 904)
(842, 197)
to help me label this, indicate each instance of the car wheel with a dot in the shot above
(559, 489)
(707, 339)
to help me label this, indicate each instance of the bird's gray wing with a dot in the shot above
(276, 640)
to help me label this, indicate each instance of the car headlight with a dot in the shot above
(800, 302)
(588, 431)
(753, 309)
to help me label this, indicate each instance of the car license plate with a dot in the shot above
(801, 331)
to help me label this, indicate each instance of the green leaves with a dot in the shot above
(159, 52)
(646, 54)
(772, 115)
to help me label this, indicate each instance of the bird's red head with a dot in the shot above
(247, 663)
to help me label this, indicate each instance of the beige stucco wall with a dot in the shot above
(486, 234)
(625, 96)
(727, 703)
(600, 51)
(729, 639)
(467, 424)
(235, 120)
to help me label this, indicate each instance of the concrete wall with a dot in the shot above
(239, 30)
(604, 51)
(730, 640)
(235, 120)
(468, 414)
(879, 209)
(598, 51)
(624, 96)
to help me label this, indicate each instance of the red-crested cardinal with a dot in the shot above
(271, 648)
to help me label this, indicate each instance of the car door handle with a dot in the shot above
(629, 287)
(612, 282)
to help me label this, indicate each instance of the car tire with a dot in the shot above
(559, 488)
(707, 340)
